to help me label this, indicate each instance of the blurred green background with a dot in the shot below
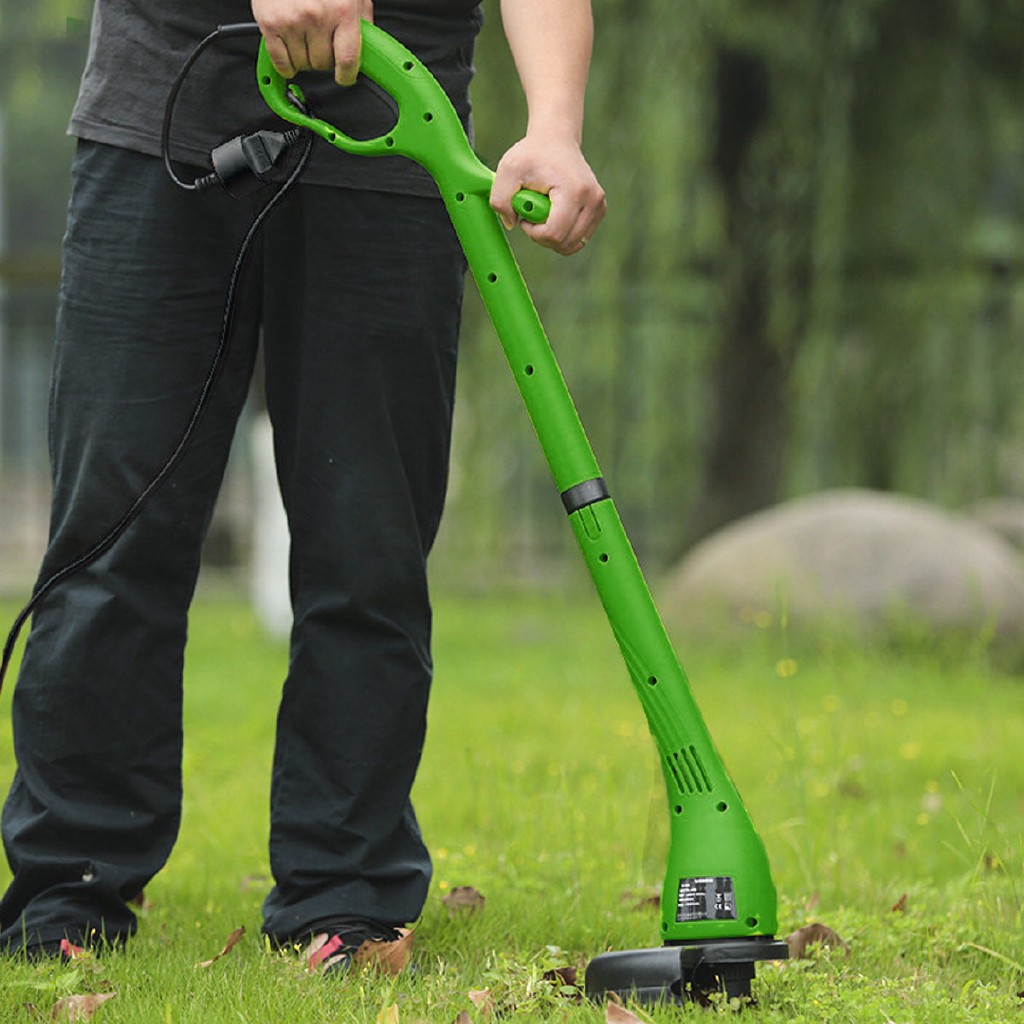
(811, 273)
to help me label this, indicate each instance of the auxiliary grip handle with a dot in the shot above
(534, 207)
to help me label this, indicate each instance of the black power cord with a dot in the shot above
(243, 164)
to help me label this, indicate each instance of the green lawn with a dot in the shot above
(877, 778)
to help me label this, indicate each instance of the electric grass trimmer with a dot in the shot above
(718, 904)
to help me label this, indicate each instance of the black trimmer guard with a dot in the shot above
(681, 973)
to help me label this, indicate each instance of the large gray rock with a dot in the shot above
(856, 557)
(1004, 516)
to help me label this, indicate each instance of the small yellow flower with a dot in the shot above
(899, 707)
(786, 668)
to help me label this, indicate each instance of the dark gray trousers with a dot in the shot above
(358, 295)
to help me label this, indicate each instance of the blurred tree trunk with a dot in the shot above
(743, 455)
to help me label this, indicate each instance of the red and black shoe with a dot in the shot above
(335, 943)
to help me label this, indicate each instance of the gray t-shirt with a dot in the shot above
(137, 48)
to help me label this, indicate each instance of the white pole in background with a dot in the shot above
(3, 289)
(269, 583)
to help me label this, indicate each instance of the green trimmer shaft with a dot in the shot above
(718, 905)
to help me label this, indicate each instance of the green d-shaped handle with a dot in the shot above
(428, 129)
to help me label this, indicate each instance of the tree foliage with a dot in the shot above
(811, 271)
(43, 46)
(810, 274)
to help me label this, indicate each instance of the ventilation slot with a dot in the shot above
(688, 771)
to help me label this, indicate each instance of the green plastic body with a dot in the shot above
(718, 883)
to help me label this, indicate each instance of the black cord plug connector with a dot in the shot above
(241, 166)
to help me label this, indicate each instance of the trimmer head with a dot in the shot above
(689, 971)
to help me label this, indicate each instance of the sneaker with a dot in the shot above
(335, 943)
(63, 950)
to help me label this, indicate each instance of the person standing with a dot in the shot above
(355, 289)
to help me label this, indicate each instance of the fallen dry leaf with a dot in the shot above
(615, 1014)
(72, 1008)
(814, 935)
(233, 940)
(562, 975)
(386, 957)
(482, 999)
(388, 1014)
(463, 1018)
(463, 898)
(900, 906)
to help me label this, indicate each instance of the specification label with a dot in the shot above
(706, 899)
